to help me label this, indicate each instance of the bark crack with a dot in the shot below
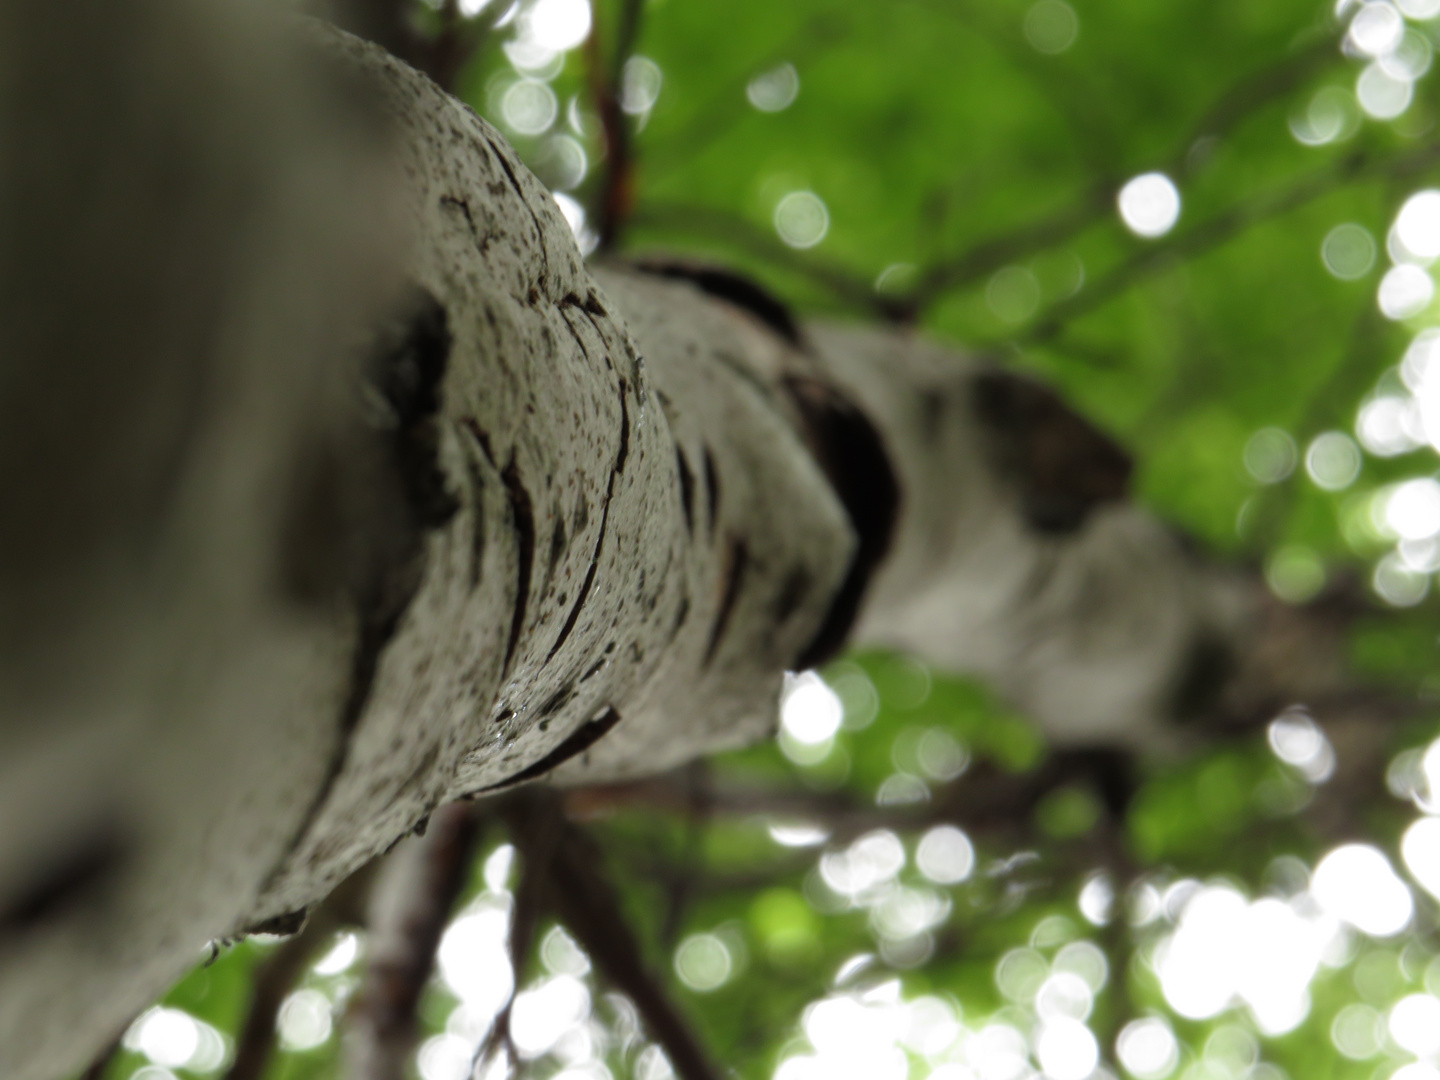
(615, 470)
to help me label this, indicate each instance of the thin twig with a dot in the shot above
(1234, 105)
(689, 135)
(617, 183)
(1223, 227)
(849, 289)
(535, 837)
(412, 903)
(581, 894)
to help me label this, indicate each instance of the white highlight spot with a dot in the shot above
(774, 90)
(444, 1057)
(1097, 897)
(1064, 995)
(168, 1037)
(559, 24)
(1356, 884)
(1333, 461)
(305, 1020)
(794, 835)
(341, 955)
(1357, 1032)
(1150, 204)
(1067, 1050)
(810, 712)
(1377, 28)
(1398, 583)
(1420, 849)
(575, 217)
(1405, 290)
(1382, 95)
(1412, 509)
(703, 962)
(529, 107)
(640, 84)
(1415, 1024)
(1264, 953)
(540, 1016)
(1418, 224)
(1148, 1049)
(1298, 741)
(1348, 251)
(474, 960)
(498, 865)
(1384, 426)
(870, 862)
(945, 855)
(561, 955)
(802, 219)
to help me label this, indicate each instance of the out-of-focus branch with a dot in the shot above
(850, 289)
(985, 801)
(1223, 227)
(285, 966)
(535, 837)
(581, 895)
(607, 84)
(441, 54)
(101, 1064)
(1233, 106)
(413, 899)
(692, 133)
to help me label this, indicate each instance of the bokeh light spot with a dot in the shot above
(1348, 251)
(529, 107)
(1333, 461)
(802, 219)
(1355, 883)
(703, 962)
(774, 90)
(1147, 1048)
(1382, 95)
(559, 24)
(305, 1020)
(1150, 204)
(945, 855)
(1051, 26)
(1270, 455)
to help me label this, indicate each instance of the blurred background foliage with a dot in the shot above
(1209, 225)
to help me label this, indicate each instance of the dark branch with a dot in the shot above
(580, 893)
(284, 967)
(412, 904)
(849, 289)
(617, 184)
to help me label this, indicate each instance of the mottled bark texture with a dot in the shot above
(339, 489)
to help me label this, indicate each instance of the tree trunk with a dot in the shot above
(341, 489)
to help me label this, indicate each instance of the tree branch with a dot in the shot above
(285, 966)
(581, 895)
(1223, 227)
(617, 188)
(1233, 106)
(413, 899)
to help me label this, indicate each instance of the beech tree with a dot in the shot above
(354, 513)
